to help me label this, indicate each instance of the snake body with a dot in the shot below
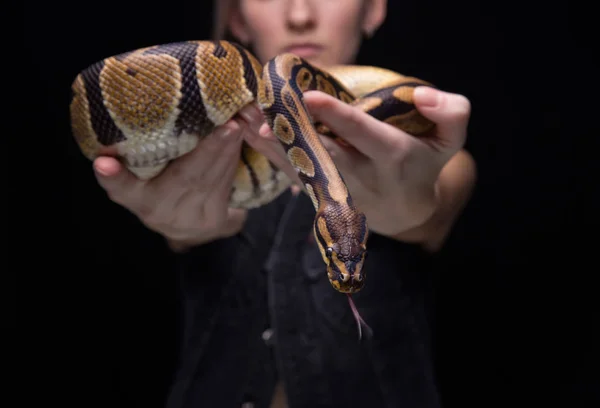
(154, 104)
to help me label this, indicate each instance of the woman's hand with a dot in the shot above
(188, 202)
(394, 177)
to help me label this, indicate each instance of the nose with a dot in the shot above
(354, 270)
(300, 15)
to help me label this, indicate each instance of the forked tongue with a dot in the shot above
(359, 320)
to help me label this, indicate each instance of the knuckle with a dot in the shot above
(175, 169)
(353, 115)
(119, 197)
(113, 196)
(232, 146)
(397, 150)
(146, 213)
(112, 190)
(211, 142)
(131, 199)
(191, 180)
(319, 107)
(200, 187)
(213, 222)
(183, 177)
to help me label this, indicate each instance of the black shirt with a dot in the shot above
(258, 307)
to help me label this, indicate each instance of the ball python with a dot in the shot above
(151, 105)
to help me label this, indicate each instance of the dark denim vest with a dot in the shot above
(258, 307)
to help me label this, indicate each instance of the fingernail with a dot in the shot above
(101, 170)
(265, 130)
(427, 96)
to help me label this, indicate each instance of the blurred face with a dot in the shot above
(325, 32)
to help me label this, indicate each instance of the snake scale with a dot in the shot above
(154, 104)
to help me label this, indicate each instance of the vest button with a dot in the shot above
(267, 336)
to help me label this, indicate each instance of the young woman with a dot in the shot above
(257, 304)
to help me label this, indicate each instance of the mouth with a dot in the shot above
(304, 50)
(350, 286)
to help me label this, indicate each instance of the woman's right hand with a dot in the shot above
(188, 202)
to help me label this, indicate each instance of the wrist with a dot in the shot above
(420, 209)
(452, 191)
(421, 204)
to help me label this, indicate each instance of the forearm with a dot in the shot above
(453, 190)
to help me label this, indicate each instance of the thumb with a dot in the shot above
(107, 167)
(113, 177)
(450, 112)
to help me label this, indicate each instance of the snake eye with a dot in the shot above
(329, 252)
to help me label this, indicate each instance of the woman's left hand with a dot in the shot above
(392, 176)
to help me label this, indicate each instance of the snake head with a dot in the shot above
(345, 268)
(341, 233)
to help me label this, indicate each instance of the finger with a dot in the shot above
(346, 159)
(269, 146)
(253, 116)
(263, 140)
(355, 168)
(189, 170)
(121, 185)
(260, 137)
(220, 175)
(450, 112)
(367, 134)
(193, 183)
(216, 211)
(220, 183)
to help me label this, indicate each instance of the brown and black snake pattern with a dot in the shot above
(152, 105)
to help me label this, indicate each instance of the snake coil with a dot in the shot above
(154, 104)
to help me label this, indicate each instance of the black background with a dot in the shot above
(96, 299)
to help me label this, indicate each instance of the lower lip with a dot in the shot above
(305, 51)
